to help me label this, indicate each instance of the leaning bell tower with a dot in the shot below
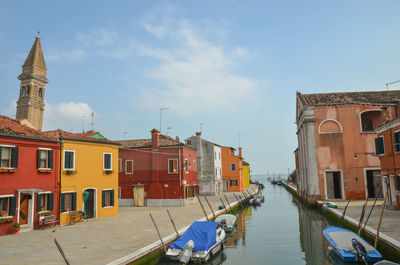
(30, 105)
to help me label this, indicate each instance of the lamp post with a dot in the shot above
(161, 110)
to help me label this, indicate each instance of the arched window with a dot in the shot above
(370, 119)
(23, 91)
(40, 92)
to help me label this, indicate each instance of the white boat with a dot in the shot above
(255, 201)
(227, 222)
(260, 196)
(198, 244)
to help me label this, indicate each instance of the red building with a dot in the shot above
(29, 176)
(388, 149)
(159, 171)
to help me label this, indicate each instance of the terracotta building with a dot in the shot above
(232, 169)
(159, 171)
(336, 150)
(388, 149)
(29, 175)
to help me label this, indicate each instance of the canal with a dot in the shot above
(280, 231)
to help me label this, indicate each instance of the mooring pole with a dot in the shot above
(61, 251)
(366, 221)
(202, 207)
(236, 198)
(344, 213)
(245, 195)
(362, 217)
(158, 232)
(209, 205)
(173, 224)
(228, 202)
(380, 220)
(226, 210)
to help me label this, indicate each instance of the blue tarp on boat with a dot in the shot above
(203, 235)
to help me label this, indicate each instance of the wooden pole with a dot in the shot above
(380, 220)
(209, 205)
(158, 232)
(61, 251)
(240, 203)
(366, 221)
(173, 224)
(245, 195)
(226, 210)
(202, 207)
(344, 213)
(362, 217)
(228, 202)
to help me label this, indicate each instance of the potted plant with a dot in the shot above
(16, 227)
(3, 213)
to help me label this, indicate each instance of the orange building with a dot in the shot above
(232, 169)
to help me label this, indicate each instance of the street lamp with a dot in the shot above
(161, 109)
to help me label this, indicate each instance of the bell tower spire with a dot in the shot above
(30, 105)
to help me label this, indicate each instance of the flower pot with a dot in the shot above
(16, 229)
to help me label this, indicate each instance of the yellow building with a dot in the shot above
(89, 176)
(246, 174)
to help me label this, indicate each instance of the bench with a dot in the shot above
(75, 216)
(48, 219)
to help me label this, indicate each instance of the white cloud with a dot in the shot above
(75, 55)
(66, 116)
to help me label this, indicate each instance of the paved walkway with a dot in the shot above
(100, 241)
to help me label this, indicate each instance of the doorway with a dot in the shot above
(89, 203)
(226, 185)
(24, 208)
(138, 196)
(373, 180)
(333, 185)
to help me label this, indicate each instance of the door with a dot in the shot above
(333, 185)
(89, 203)
(226, 185)
(138, 196)
(24, 209)
(370, 184)
(392, 191)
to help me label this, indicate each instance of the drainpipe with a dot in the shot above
(59, 184)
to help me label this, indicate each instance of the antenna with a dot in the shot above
(92, 123)
(83, 123)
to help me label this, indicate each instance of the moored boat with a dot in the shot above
(199, 243)
(227, 222)
(349, 246)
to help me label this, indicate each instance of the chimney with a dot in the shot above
(198, 134)
(177, 138)
(240, 152)
(155, 138)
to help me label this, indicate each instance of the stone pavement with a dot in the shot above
(100, 241)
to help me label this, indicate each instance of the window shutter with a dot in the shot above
(50, 202)
(14, 157)
(38, 197)
(112, 198)
(51, 159)
(12, 206)
(71, 159)
(379, 146)
(62, 202)
(38, 158)
(74, 201)
(0, 152)
(103, 198)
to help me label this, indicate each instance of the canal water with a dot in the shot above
(280, 231)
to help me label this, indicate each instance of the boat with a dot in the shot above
(386, 262)
(349, 246)
(255, 201)
(274, 181)
(260, 196)
(227, 222)
(198, 244)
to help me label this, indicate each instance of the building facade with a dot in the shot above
(160, 171)
(29, 175)
(246, 175)
(209, 165)
(336, 149)
(232, 169)
(388, 149)
(89, 175)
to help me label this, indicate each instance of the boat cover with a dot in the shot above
(203, 235)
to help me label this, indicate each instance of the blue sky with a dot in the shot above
(233, 65)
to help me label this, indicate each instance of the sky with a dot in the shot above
(232, 66)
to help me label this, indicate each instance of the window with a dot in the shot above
(379, 145)
(397, 141)
(108, 198)
(40, 92)
(107, 158)
(9, 156)
(45, 202)
(129, 167)
(186, 166)
(220, 171)
(7, 205)
(68, 201)
(233, 167)
(23, 91)
(219, 155)
(45, 158)
(398, 183)
(119, 192)
(29, 90)
(216, 172)
(194, 163)
(120, 165)
(172, 165)
(69, 160)
(189, 142)
(233, 182)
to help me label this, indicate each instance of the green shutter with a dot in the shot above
(50, 202)
(12, 206)
(103, 198)
(51, 153)
(112, 198)
(73, 201)
(398, 183)
(0, 152)
(62, 202)
(66, 160)
(38, 158)
(14, 157)
(379, 146)
(38, 197)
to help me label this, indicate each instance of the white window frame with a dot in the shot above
(232, 165)
(66, 212)
(109, 206)
(104, 159)
(8, 196)
(73, 151)
(172, 172)
(126, 167)
(48, 155)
